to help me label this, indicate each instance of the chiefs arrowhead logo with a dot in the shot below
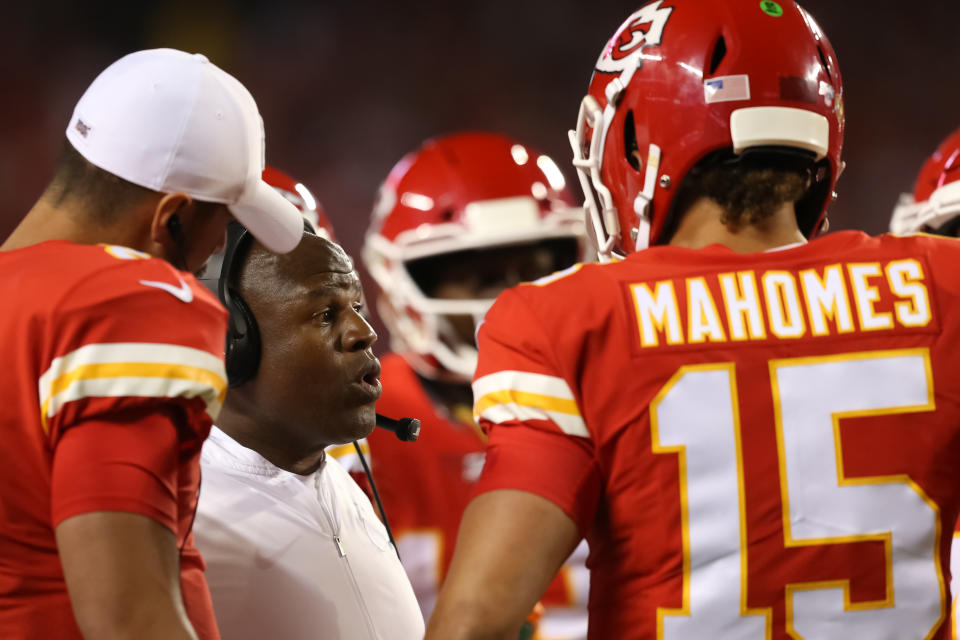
(642, 29)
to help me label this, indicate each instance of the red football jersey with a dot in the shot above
(756, 446)
(426, 485)
(111, 356)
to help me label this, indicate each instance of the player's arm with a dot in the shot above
(540, 485)
(114, 507)
(137, 379)
(123, 576)
(488, 593)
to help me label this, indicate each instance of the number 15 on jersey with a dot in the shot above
(696, 416)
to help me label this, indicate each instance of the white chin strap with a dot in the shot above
(456, 356)
(433, 335)
(429, 342)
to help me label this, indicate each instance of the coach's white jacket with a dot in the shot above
(297, 557)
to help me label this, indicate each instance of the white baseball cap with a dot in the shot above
(172, 121)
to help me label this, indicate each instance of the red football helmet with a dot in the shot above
(303, 199)
(936, 196)
(467, 195)
(682, 79)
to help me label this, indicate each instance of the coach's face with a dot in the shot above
(318, 380)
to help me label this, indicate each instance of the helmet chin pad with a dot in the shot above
(780, 127)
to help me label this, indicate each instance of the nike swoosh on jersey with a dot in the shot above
(183, 293)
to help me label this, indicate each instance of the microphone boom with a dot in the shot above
(406, 429)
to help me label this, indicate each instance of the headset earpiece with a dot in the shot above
(243, 346)
(174, 227)
(179, 241)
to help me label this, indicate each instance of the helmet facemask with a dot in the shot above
(934, 214)
(435, 302)
(935, 202)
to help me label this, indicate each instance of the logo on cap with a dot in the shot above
(84, 129)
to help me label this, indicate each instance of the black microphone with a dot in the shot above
(406, 429)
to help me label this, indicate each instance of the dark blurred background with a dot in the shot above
(346, 88)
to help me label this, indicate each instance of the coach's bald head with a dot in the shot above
(270, 277)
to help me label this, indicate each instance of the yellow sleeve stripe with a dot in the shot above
(132, 369)
(536, 383)
(137, 380)
(508, 413)
(518, 396)
(137, 370)
(525, 399)
(129, 352)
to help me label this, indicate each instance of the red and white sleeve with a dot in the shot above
(538, 439)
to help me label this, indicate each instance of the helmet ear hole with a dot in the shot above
(823, 61)
(630, 147)
(719, 53)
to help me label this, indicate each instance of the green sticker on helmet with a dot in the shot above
(771, 8)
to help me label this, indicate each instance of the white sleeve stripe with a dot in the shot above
(137, 387)
(569, 424)
(129, 352)
(522, 381)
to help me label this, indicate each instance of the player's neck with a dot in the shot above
(46, 221)
(701, 226)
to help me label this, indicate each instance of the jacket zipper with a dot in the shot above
(342, 553)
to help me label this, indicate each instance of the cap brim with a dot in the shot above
(273, 220)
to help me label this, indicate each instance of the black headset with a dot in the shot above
(243, 334)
